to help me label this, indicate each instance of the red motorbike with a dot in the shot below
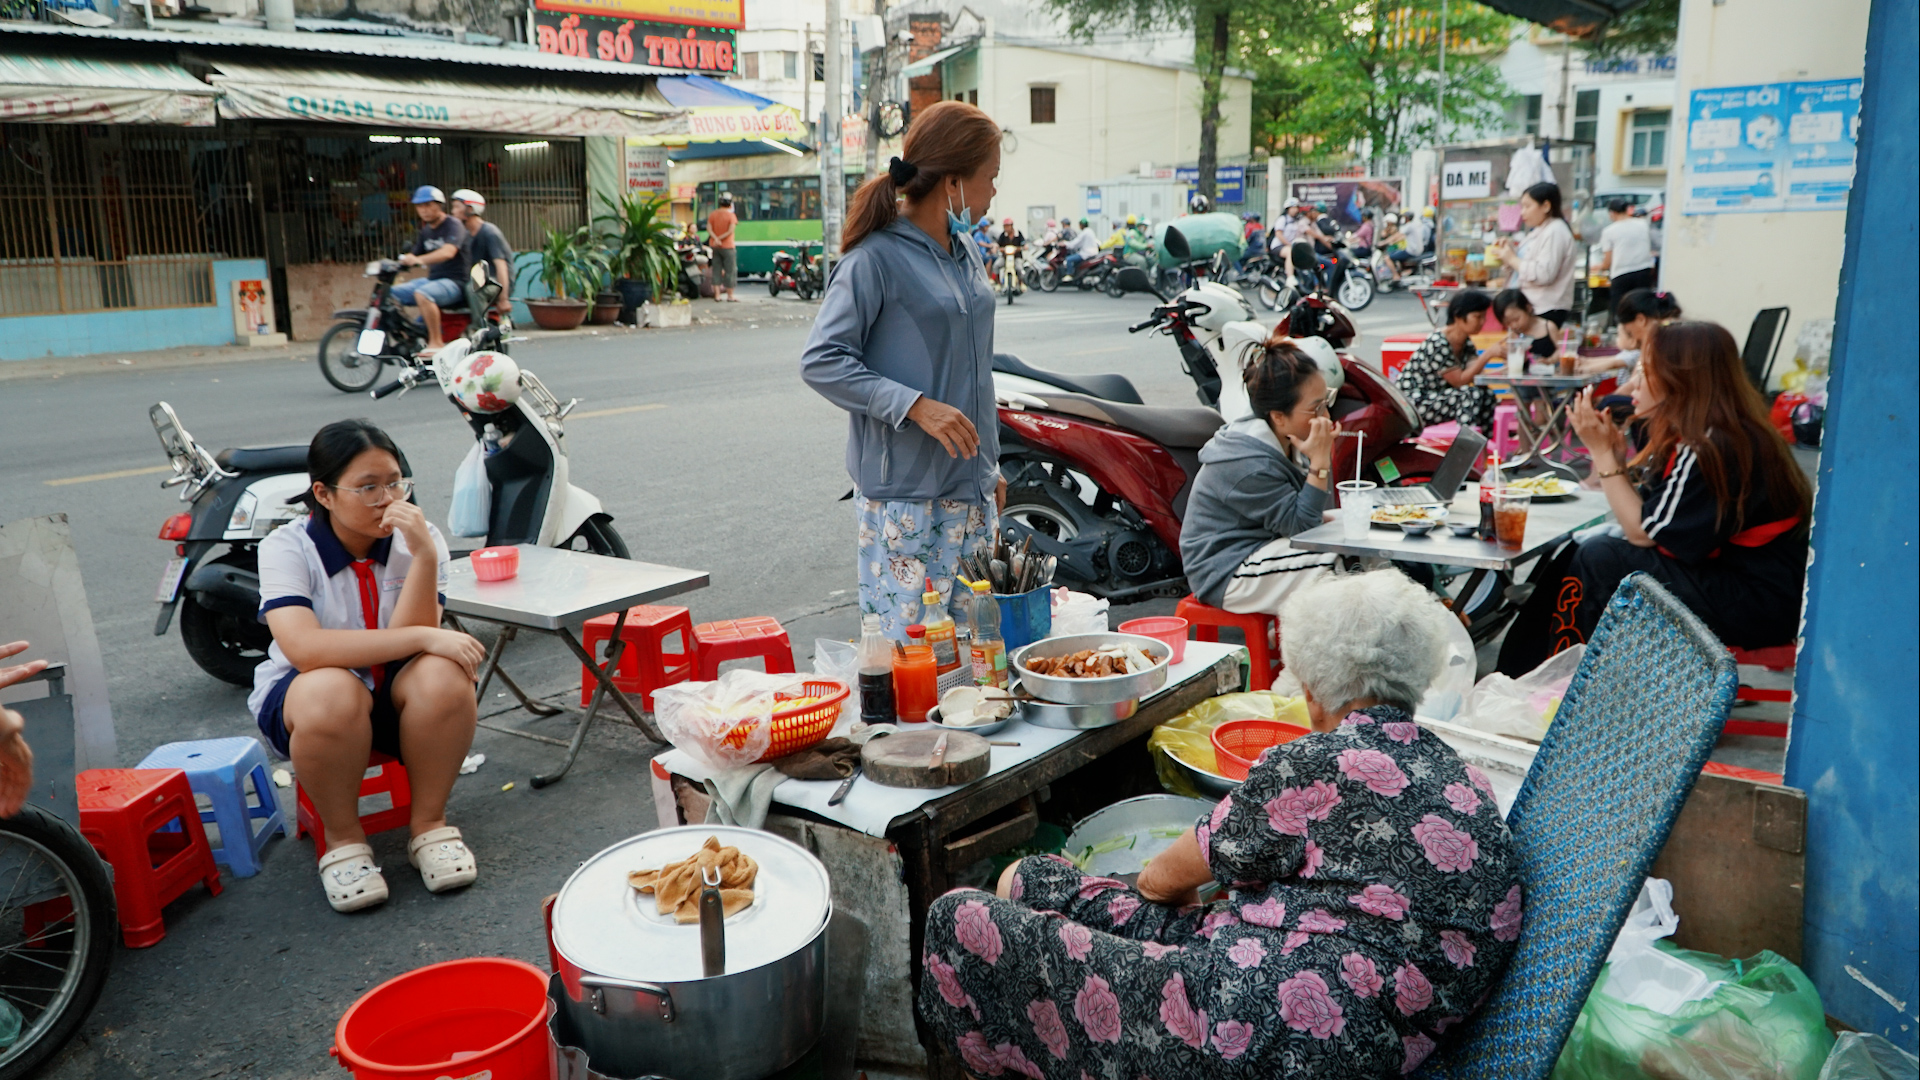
(800, 274)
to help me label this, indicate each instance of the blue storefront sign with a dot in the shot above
(1229, 182)
(1773, 147)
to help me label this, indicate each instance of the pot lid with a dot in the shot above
(605, 926)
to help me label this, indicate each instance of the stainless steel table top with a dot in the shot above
(1547, 524)
(1547, 382)
(557, 588)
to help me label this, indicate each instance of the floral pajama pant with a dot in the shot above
(1026, 987)
(904, 544)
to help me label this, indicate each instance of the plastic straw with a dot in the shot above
(1359, 453)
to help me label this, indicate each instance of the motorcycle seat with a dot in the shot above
(1106, 387)
(1177, 427)
(263, 459)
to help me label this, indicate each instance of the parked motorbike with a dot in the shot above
(696, 266)
(799, 273)
(363, 341)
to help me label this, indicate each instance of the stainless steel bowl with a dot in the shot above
(1074, 717)
(1211, 783)
(1145, 818)
(993, 728)
(1104, 691)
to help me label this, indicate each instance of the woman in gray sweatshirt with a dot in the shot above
(1252, 494)
(904, 343)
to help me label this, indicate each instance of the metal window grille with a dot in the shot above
(348, 197)
(104, 217)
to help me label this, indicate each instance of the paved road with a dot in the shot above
(705, 447)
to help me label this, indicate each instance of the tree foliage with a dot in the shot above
(1648, 30)
(1332, 74)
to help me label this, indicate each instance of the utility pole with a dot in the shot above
(876, 91)
(1440, 94)
(833, 183)
(806, 80)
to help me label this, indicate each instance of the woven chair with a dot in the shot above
(1638, 721)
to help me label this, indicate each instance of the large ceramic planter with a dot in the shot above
(633, 293)
(606, 309)
(559, 314)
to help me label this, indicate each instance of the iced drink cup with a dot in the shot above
(1356, 507)
(1510, 517)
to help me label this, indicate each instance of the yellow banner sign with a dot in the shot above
(723, 13)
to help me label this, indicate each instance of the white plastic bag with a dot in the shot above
(727, 723)
(1858, 1056)
(1639, 974)
(840, 661)
(1521, 707)
(1077, 613)
(1455, 681)
(472, 496)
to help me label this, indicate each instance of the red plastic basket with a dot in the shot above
(1237, 744)
(797, 727)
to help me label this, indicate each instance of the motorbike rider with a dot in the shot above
(488, 243)
(1199, 204)
(1009, 237)
(1256, 240)
(1417, 231)
(1128, 238)
(16, 758)
(441, 247)
(1083, 246)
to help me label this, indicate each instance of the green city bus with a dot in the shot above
(774, 212)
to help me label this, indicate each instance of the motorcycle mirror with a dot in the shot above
(1177, 246)
(1133, 279)
(1303, 257)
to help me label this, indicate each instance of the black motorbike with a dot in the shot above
(363, 341)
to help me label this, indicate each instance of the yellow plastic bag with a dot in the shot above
(1188, 736)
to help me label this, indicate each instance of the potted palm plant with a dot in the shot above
(639, 248)
(570, 267)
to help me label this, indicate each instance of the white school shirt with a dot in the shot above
(303, 564)
(1631, 242)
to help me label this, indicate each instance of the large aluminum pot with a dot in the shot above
(635, 990)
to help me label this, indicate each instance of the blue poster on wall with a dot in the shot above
(1773, 147)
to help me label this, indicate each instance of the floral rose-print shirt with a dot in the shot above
(1373, 905)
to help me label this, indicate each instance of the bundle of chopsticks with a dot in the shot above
(1009, 569)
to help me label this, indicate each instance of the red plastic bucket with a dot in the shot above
(482, 1018)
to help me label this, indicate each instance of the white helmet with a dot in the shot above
(1325, 358)
(1198, 204)
(486, 382)
(1224, 305)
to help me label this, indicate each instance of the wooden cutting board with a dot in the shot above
(901, 760)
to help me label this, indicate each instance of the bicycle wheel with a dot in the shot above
(57, 925)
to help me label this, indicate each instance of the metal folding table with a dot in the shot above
(556, 592)
(1559, 392)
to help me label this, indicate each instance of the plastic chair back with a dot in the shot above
(1643, 712)
(1763, 344)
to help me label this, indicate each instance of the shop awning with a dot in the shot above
(260, 92)
(718, 113)
(45, 90)
(926, 64)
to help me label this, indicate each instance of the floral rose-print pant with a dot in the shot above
(905, 543)
(1028, 987)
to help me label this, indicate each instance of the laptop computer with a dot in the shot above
(1447, 478)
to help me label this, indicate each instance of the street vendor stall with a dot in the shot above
(1477, 207)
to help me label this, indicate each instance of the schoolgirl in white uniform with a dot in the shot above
(359, 661)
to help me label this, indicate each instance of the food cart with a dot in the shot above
(1475, 209)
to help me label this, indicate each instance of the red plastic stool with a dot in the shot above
(736, 639)
(124, 814)
(1773, 658)
(1205, 621)
(645, 665)
(386, 777)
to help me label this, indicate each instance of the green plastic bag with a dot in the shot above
(1188, 736)
(1764, 1021)
(1205, 233)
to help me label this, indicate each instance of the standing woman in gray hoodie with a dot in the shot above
(1253, 493)
(904, 343)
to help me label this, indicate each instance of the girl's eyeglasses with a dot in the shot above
(370, 494)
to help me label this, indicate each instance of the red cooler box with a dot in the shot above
(1396, 350)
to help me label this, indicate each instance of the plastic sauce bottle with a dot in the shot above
(1489, 481)
(987, 648)
(940, 632)
(876, 673)
(916, 686)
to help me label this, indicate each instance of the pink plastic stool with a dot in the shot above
(1506, 429)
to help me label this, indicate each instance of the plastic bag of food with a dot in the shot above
(1188, 736)
(472, 496)
(727, 723)
(1521, 707)
(1762, 1020)
(1077, 613)
(1860, 1056)
(840, 661)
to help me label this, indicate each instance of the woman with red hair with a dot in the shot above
(1713, 506)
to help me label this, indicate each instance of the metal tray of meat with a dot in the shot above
(1107, 690)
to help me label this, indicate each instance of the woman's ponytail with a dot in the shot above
(874, 207)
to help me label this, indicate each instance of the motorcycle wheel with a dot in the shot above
(1356, 291)
(342, 364)
(804, 289)
(1009, 290)
(54, 976)
(225, 646)
(597, 536)
(1049, 279)
(1113, 286)
(773, 286)
(1269, 294)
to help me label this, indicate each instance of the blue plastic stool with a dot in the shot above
(218, 769)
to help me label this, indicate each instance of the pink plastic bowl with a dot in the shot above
(1168, 628)
(496, 563)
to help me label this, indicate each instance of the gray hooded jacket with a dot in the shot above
(903, 317)
(1248, 494)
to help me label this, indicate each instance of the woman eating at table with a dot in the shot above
(1372, 896)
(904, 343)
(1438, 378)
(1252, 492)
(359, 661)
(1713, 506)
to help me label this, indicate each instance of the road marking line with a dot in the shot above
(1096, 352)
(590, 414)
(117, 474)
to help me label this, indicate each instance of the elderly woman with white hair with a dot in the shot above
(1372, 899)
